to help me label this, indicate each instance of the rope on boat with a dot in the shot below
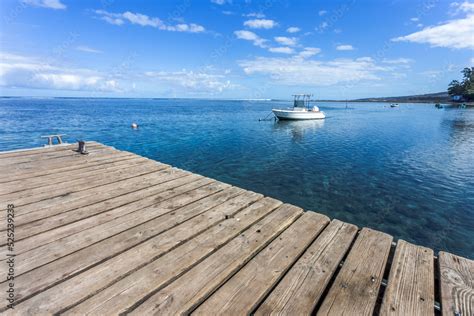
(266, 118)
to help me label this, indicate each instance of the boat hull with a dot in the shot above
(298, 115)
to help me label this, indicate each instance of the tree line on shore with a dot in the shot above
(463, 90)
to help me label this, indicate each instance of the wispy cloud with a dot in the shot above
(282, 50)
(202, 81)
(322, 12)
(288, 41)
(293, 71)
(456, 33)
(293, 29)
(260, 24)
(49, 4)
(465, 6)
(322, 26)
(221, 2)
(88, 49)
(308, 52)
(145, 20)
(257, 15)
(398, 61)
(29, 72)
(250, 36)
(17, 71)
(344, 47)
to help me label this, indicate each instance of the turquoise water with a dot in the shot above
(408, 171)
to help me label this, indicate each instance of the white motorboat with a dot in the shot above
(302, 110)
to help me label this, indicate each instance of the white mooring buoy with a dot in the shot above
(134, 125)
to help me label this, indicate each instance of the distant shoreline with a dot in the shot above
(397, 101)
(416, 99)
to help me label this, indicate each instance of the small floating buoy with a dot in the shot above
(134, 125)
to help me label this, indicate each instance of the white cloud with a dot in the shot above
(322, 26)
(260, 24)
(199, 81)
(414, 19)
(255, 15)
(458, 33)
(344, 47)
(141, 19)
(398, 61)
(144, 20)
(295, 71)
(282, 50)
(466, 6)
(250, 36)
(50, 4)
(308, 52)
(293, 29)
(18, 71)
(221, 2)
(322, 12)
(88, 49)
(35, 73)
(288, 41)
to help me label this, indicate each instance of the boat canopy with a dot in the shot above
(301, 100)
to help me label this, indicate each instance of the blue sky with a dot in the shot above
(233, 49)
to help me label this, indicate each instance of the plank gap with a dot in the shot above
(136, 268)
(386, 273)
(333, 278)
(297, 258)
(437, 288)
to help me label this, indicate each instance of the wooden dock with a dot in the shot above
(112, 232)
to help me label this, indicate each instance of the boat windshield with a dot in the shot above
(299, 104)
(301, 100)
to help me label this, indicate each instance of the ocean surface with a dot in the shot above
(407, 171)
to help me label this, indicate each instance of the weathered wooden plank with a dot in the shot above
(301, 288)
(97, 214)
(35, 151)
(154, 183)
(410, 288)
(135, 163)
(47, 155)
(70, 244)
(13, 171)
(54, 179)
(182, 236)
(33, 172)
(122, 295)
(197, 284)
(356, 286)
(43, 193)
(35, 181)
(457, 284)
(60, 204)
(42, 150)
(241, 294)
(174, 212)
(50, 158)
(64, 203)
